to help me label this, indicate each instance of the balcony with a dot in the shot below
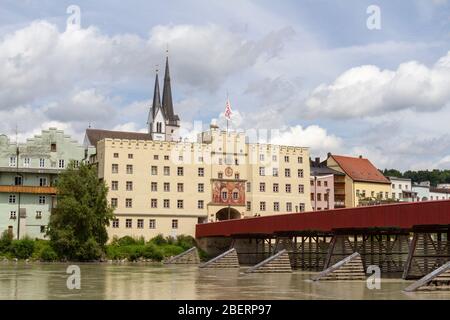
(28, 189)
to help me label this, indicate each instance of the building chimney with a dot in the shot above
(329, 154)
(360, 156)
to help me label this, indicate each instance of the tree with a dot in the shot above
(77, 227)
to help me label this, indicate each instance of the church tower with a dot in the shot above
(164, 125)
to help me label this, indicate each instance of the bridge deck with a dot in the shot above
(399, 215)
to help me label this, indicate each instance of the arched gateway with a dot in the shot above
(227, 214)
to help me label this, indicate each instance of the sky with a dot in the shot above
(314, 73)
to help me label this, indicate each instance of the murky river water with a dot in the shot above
(140, 281)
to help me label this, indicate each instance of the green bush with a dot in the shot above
(158, 240)
(5, 241)
(22, 249)
(153, 252)
(127, 241)
(186, 242)
(89, 250)
(171, 250)
(48, 254)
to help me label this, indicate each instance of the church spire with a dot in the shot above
(167, 103)
(156, 97)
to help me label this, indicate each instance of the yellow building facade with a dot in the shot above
(362, 179)
(167, 187)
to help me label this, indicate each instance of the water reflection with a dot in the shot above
(138, 281)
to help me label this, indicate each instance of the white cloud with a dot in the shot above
(369, 91)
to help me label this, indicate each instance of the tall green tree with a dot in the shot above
(77, 227)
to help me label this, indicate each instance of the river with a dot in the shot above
(19, 280)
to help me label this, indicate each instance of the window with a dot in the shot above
(166, 157)
(201, 187)
(289, 206)
(224, 195)
(154, 186)
(325, 183)
(312, 182)
(201, 172)
(249, 187)
(393, 186)
(140, 223)
(287, 173)
(393, 195)
(275, 172)
(262, 206)
(115, 223)
(288, 188)
(159, 127)
(312, 196)
(154, 170)
(235, 195)
(129, 169)
(302, 207)
(166, 203)
(38, 214)
(174, 223)
(167, 171)
(326, 196)
(42, 199)
(262, 187)
(372, 194)
(155, 157)
(357, 192)
(26, 162)
(154, 203)
(17, 180)
(400, 186)
(286, 158)
(319, 197)
(152, 224)
(262, 171)
(249, 206)
(180, 171)
(236, 176)
(41, 163)
(12, 161)
(200, 204)
(128, 203)
(387, 195)
(128, 223)
(319, 183)
(300, 173)
(114, 202)
(180, 187)
(114, 185)
(42, 229)
(166, 187)
(130, 156)
(220, 175)
(53, 147)
(300, 159)
(220, 161)
(276, 206)
(61, 163)
(236, 161)
(274, 158)
(200, 159)
(301, 188)
(180, 204)
(275, 187)
(115, 168)
(129, 186)
(12, 215)
(261, 157)
(116, 155)
(180, 158)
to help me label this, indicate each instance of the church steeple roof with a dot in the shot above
(156, 97)
(167, 102)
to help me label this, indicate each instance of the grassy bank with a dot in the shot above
(126, 248)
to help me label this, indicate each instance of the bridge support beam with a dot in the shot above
(387, 249)
(429, 249)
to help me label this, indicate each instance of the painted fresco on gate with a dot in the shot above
(235, 192)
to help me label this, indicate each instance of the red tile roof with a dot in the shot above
(360, 169)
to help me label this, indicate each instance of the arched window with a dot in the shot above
(158, 127)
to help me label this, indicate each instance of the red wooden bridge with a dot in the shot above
(412, 238)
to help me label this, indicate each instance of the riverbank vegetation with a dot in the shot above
(123, 249)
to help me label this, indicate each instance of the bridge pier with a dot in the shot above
(429, 249)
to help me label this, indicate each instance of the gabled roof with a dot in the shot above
(95, 135)
(360, 169)
(321, 169)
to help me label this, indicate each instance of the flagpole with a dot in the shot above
(227, 117)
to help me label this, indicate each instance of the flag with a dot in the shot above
(228, 112)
